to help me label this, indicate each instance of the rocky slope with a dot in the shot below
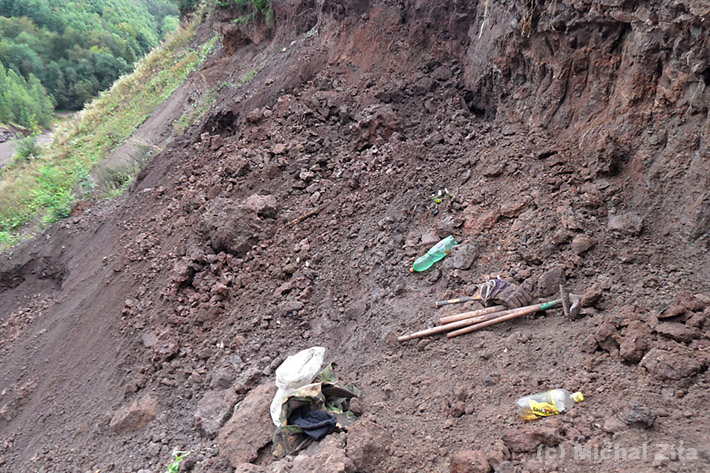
(571, 137)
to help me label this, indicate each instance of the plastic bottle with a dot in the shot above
(548, 403)
(436, 253)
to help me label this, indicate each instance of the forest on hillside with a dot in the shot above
(58, 54)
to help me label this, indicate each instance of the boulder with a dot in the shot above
(668, 365)
(230, 227)
(214, 409)
(250, 427)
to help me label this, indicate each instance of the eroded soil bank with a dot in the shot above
(572, 138)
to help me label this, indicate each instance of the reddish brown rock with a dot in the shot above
(470, 461)
(581, 243)
(678, 331)
(213, 410)
(607, 337)
(664, 364)
(262, 205)
(480, 222)
(637, 340)
(250, 428)
(325, 456)
(368, 445)
(136, 416)
(498, 454)
(527, 438)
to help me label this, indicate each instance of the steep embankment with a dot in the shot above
(572, 137)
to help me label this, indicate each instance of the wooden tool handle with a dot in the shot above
(448, 327)
(511, 314)
(473, 313)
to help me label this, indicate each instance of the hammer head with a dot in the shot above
(571, 303)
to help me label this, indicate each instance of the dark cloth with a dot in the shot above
(316, 424)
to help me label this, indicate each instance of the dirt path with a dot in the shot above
(7, 149)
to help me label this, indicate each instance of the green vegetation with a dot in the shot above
(197, 109)
(174, 467)
(258, 7)
(42, 190)
(23, 102)
(58, 53)
(27, 148)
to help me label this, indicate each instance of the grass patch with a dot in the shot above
(197, 109)
(42, 189)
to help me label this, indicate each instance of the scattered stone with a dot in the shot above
(442, 74)
(498, 455)
(505, 467)
(698, 320)
(636, 341)
(166, 345)
(549, 282)
(254, 116)
(461, 257)
(356, 406)
(639, 416)
(470, 461)
(213, 410)
(368, 445)
(607, 337)
(674, 310)
(263, 205)
(287, 307)
(136, 416)
(326, 456)
(678, 331)
(667, 365)
(250, 428)
(480, 222)
(514, 208)
(149, 339)
(592, 295)
(630, 223)
(581, 243)
(423, 85)
(230, 227)
(528, 438)
(377, 122)
(494, 169)
(428, 239)
(560, 236)
(613, 424)
(279, 148)
(247, 380)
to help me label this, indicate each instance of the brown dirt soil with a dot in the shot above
(289, 218)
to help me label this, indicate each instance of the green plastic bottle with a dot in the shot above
(436, 253)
